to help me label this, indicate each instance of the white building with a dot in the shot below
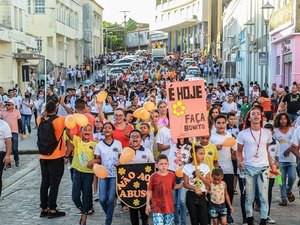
(16, 43)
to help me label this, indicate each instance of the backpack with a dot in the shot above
(46, 139)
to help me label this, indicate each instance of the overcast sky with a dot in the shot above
(141, 11)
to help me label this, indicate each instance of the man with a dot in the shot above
(142, 155)
(254, 162)
(229, 105)
(5, 148)
(52, 166)
(292, 100)
(3, 98)
(12, 116)
(50, 94)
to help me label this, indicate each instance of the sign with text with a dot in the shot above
(187, 109)
(132, 183)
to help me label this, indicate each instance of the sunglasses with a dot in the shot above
(115, 105)
(8, 104)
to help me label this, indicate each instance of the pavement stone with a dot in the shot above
(20, 201)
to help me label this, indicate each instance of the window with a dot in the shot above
(277, 65)
(39, 45)
(29, 6)
(39, 6)
(21, 20)
(16, 18)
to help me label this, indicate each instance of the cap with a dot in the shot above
(9, 101)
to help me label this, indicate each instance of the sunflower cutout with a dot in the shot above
(178, 109)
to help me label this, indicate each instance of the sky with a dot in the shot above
(141, 11)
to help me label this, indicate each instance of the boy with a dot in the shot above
(218, 197)
(160, 192)
(211, 153)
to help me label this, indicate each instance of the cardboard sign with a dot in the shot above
(132, 183)
(187, 109)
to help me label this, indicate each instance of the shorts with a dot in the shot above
(216, 210)
(163, 219)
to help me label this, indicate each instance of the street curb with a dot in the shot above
(28, 152)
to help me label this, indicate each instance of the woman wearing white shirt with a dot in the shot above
(287, 161)
(254, 160)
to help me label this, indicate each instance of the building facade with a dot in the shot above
(190, 24)
(16, 44)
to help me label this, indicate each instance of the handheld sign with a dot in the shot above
(187, 109)
(132, 183)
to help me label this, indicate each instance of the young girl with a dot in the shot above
(107, 151)
(196, 182)
(83, 175)
(218, 196)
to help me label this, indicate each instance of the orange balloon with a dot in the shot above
(137, 112)
(81, 119)
(179, 172)
(127, 155)
(100, 171)
(70, 122)
(229, 142)
(149, 106)
(144, 114)
(101, 96)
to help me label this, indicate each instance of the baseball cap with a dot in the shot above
(9, 101)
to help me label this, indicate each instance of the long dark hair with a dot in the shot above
(210, 118)
(185, 141)
(278, 117)
(197, 147)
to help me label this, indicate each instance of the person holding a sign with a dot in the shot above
(254, 161)
(142, 155)
(196, 180)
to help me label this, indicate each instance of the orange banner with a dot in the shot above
(187, 109)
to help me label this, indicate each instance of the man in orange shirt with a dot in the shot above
(13, 117)
(52, 166)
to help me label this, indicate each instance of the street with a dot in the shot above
(20, 200)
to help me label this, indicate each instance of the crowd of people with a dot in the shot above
(266, 125)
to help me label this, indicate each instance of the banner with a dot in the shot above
(187, 109)
(132, 183)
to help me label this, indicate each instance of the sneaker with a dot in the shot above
(91, 211)
(230, 219)
(17, 163)
(96, 197)
(270, 220)
(44, 214)
(250, 220)
(8, 166)
(245, 222)
(56, 214)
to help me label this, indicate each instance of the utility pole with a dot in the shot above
(125, 37)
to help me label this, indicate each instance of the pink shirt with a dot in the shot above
(12, 119)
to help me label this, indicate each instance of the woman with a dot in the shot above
(245, 107)
(265, 102)
(162, 113)
(213, 112)
(107, 105)
(37, 105)
(287, 161)
(26, 113)
(61, 110)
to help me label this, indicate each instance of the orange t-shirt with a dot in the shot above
(266, 104)
(59, 126)
(76, 130)
(120, 135)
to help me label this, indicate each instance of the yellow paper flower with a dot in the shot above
(121, 171)
(136, 185)
(136, 202)
(178, 109)
(148, 169)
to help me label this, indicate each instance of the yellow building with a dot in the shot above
(190, 24)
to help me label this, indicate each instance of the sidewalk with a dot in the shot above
(29, 144)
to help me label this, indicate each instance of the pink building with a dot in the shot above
(285, 45)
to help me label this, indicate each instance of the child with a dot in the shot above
(196, 182)
(273, 150)
(107, 151)
(83, 174)
(211, 153)
(218, 195)
(160, 193)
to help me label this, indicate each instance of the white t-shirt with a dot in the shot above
(142, 155)
(189, 169)
(228, 107)
(225, 153)
(285, 142)
(109, 155)
(273, 149)
(25, 109)
(164, 137)
(250, 146)
(5, 132)
(296, 137)
(179, 156)
(148, 142)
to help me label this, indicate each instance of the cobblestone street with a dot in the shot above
(20, 201)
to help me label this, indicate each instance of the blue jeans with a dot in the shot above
(293, 116)
(82, 183)
(26, 121)
(262, 181)
(15, 149)
(107, 194)
(179, 197)
(288, 172)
